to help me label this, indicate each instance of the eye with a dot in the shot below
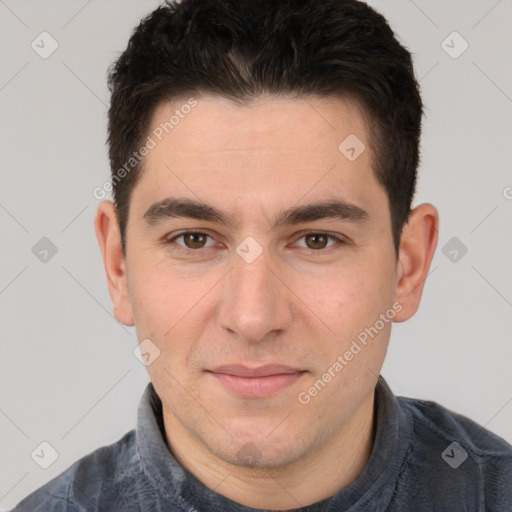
(193, 240)
(317, 241)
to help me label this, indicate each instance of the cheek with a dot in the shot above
(156, 287)
(353, 290)
(170, 309)
(157, 300)
(352, 360)
(352, 300)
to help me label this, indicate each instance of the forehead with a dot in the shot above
(271, 151)
(217, 124)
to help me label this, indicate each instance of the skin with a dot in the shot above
(301, 302)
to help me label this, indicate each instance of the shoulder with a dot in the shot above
(450, 445)
(437, 421)
(101, 472)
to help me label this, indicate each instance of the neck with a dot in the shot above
(308, 480)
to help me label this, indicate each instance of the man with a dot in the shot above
(262, 242)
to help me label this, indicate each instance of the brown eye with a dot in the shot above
(319, 241)
(191, 241)
(194, 240)
(316, 240)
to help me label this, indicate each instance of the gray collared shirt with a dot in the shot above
(424, 458)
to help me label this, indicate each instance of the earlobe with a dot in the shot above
(109, 240)
(417, 246)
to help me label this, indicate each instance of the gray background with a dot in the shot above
(68, 375)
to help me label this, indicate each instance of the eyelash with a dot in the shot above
(188, 251)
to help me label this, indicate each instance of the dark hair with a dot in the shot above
(242, 49)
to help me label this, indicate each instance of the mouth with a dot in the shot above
(256, 382)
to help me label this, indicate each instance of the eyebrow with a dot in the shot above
(177, 207)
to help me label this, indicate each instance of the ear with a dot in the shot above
(417, 246)
(109, 239)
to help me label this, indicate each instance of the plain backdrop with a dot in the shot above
(68, 375)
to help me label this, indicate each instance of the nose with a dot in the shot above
(256, 300)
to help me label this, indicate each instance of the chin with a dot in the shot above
(261, 451)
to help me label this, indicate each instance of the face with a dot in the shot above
(264, 275)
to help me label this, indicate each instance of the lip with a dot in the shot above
(256, 382)
(240, 370)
